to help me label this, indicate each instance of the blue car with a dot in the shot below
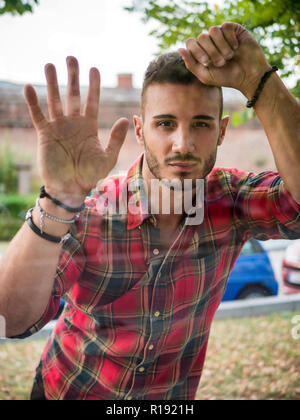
(253, 275)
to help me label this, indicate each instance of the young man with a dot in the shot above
(142, 287)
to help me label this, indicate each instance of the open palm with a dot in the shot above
(71, 159)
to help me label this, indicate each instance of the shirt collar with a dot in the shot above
(138, 210)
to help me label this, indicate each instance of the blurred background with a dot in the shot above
(121, 37)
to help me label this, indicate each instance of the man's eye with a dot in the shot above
(201, 124)
(166, 124)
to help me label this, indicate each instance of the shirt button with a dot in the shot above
(157, 313)
(155, 251)
(151, 347)
(141, 369)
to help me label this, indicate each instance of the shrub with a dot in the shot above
(16, 205)
(8, 171)
(13, 209)
(9, 227)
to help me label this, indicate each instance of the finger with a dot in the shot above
(197, 52)
(54, 101)
(38, 118)
(205, 41)
(230, 34)
(198, 69)
(217, 36)
(73, 89)
(190, 61)
(92, 102)
(117, 137)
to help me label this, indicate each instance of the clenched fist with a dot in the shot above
(226, 56)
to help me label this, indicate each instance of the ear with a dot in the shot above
(138, 126)
(223, 127)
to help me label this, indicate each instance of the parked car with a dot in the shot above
(291, 269)
(253, 275)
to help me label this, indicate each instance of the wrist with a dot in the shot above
(51, 227)
(253, 80)
(72, 200)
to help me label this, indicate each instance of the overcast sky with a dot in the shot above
(98, 32)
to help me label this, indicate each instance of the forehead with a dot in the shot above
(181, 100)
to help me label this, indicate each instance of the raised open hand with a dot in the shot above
(71, 159)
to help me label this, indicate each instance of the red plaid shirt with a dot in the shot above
(137, 319)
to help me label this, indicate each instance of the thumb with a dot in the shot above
(241, 33)
(117, 136)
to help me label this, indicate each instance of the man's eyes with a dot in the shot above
(197, 124)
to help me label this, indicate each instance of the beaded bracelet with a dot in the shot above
(258, 91)
(49, 216)
(59, 203)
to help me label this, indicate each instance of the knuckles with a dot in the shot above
(214, 30)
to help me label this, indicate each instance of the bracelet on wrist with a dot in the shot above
(261, 85)
(43, 235)
(60, 204)
(53, 218)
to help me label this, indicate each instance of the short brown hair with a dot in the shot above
(170, 68)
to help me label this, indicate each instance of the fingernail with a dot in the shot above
(220, 63)
(229, 56)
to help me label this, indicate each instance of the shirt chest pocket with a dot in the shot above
(195, 279)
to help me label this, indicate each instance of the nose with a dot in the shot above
(183, 142)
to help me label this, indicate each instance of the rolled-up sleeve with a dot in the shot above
(263, 206)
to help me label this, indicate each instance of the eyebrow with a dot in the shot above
(196, 117)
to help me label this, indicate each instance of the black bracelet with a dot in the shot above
(50, 238)
(60, 204)
(258, 91)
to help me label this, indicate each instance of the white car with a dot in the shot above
(291, 268)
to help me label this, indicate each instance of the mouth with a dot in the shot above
(183, 166)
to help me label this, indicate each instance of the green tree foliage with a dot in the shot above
(17, 7)
(274, 23)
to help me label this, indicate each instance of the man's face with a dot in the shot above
(180, 130)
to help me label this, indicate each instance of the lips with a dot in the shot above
(183, 166)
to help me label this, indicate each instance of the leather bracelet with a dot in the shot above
(261, 85)
(46, 236)
(60, 204)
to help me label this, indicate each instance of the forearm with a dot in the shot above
(27, 272)
(279, 114)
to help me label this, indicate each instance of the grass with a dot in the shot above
(250, 359)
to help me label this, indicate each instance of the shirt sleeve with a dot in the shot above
(70, 267)
(263, 206)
